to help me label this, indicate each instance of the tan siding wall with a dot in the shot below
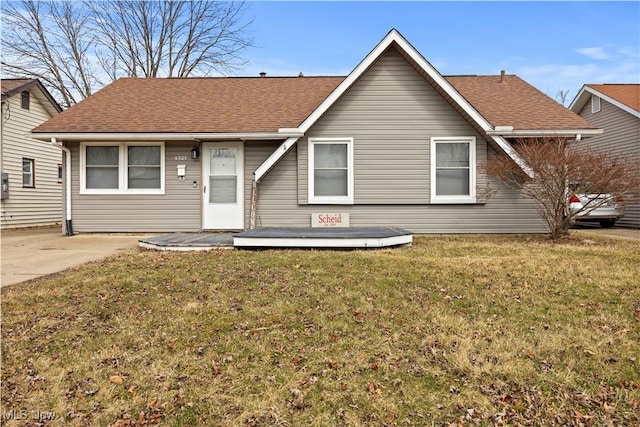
(179, 209)
(621, 137)
(28, 207)
(391, 113)
(505, 211)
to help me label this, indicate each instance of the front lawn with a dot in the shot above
(492, 330)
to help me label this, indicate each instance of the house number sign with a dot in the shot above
(182, 158)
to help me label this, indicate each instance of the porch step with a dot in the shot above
(188, 242)
(295, 237)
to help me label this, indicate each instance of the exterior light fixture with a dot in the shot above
(195, 152)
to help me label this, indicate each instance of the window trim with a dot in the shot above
(32, 162)
(330, 200)
(595, 104)
(471, 197)
(123, 168)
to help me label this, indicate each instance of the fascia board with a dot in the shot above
(580, 99)
(394, 36)
(585, 94)
(532, 133)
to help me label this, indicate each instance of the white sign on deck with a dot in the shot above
(330, 219)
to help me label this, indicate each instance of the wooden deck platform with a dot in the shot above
(290, 237)
(352, 237)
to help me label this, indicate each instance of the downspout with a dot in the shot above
(67, 167)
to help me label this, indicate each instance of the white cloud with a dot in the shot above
(594, 52)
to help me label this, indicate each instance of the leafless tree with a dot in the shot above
(76, 48)
(51, 42)
(561, 96)
(559, 166)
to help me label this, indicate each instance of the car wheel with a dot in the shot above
(607, 223)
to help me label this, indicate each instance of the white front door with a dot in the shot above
(223, 184)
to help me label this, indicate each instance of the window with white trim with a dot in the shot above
(116, 168)
(28, 168)
(331, 171)
(595, 104)
(453, 170)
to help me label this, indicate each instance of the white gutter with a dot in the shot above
(532, 133)
(271, 161)
(161, 136)
(67, 164)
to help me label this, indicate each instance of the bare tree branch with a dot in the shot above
(76, 48)
(559, 165)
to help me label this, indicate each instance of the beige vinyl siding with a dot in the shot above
(622, 138)
(42, 204)
(177, 210)
(392, 113)
(505, 211)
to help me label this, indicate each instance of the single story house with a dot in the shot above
(615, 108)
(394, 143)
(31, 169)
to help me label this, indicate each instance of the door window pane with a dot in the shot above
(223, 189)
(223, 161)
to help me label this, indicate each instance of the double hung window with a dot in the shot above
(122, 168)
(331, 170)
(28, 174)
(453, 172)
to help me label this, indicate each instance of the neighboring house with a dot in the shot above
(615, 108)
(31, 169)
(392, 144)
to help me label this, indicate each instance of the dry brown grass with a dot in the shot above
(492, 330)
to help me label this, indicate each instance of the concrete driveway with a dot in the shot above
(34, 252)
(624, 233)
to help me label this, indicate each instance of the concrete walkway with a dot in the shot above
(34, 252)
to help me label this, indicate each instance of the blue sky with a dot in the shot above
(552, 45)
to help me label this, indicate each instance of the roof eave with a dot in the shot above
(162, 136)
(533, 133)
(584, 95)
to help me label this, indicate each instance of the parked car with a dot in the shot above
(603, 208)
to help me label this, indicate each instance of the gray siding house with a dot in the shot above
(616, 109)
(394, 143)
(31, 181)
